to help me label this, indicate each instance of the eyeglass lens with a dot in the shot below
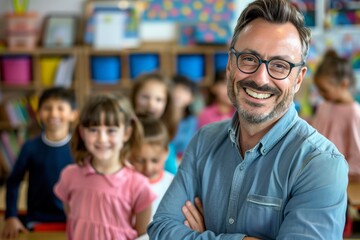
(277, 68)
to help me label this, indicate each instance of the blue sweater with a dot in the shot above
(44, 161)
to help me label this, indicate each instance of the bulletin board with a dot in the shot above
(189, 11)
(344, 12)
(307, 7)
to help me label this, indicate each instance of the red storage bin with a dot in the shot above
(16, 70)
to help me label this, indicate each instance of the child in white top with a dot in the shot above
(151, 158)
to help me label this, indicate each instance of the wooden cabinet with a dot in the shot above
(22, 75)
(107, 70)
(200, 62)
(115, 70)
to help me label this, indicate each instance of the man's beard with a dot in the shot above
(258, 118)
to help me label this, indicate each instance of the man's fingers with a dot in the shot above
(24, 229)
(199, 205)
(186, 223)
(197, 215)
(191, 222)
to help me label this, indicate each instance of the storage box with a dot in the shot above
(191, 66)
(105, 70)
(48, 68)
(21, 22)
(18, 41)
(16, 70)
(141, 63)
(220, 60)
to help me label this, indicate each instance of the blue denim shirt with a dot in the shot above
(291, 185)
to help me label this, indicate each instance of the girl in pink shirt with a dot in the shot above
(338, 117)
(104, 197)
(219, 106)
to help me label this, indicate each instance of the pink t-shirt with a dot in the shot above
(102, 206)
(340, 123)
(212, 114)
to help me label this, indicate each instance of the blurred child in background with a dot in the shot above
(104, 197)
(184, 93)
(43, 158)
(150, 160)
(338, 116)
(151, 98)
(219, 106)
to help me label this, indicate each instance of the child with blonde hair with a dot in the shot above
(105, 198)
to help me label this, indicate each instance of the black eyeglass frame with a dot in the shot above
(266, 62)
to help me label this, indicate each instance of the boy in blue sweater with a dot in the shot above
(43, 158)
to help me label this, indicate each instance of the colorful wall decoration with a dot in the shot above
(200, 21)
(308, 8)
(189, 11)
(344, 12)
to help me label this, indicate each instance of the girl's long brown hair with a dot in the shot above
(168, 117)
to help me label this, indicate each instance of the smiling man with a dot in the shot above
(265, 174)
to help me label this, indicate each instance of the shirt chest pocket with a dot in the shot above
(262, 216)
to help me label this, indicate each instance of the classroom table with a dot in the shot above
(353, 192)
(41, 236)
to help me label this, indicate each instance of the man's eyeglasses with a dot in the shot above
(277, 68)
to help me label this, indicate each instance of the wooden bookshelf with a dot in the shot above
(83, 83)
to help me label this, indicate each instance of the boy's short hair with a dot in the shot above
(60, 93)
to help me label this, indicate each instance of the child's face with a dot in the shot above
(150, 160)
(219, 89)
(151, 99)
(182, 96)
(56, 115)
(328, 90)
(104, 142)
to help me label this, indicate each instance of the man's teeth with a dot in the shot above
(257, 95)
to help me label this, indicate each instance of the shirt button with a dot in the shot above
(231, 220)
(242, 168)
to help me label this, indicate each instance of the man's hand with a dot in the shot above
(194, 215)
(12, 228)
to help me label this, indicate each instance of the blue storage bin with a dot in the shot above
(142, 63)
(105, 69)
(221, 60)
(191, 66)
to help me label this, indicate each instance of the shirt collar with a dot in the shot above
(112, 179)
(274, 135)
(55, 143)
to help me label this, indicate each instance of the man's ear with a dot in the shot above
(300, 78)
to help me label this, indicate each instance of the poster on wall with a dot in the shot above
(128, 22)
(343, 12)
(307, 7)
(189, 11)
(198, 21)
